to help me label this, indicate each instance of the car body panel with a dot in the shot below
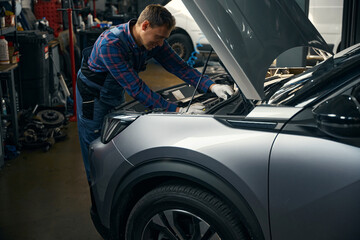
(314, 194)
(195, 135)
(184, 137)
(106, 162)
(235, 29)
(274, 113)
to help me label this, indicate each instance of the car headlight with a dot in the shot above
(114, 123)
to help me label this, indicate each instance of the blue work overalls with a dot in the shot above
(93, 102)
(97, 94)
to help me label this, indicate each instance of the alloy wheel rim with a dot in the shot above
(175, 224)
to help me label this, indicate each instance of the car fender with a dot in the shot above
(209, 143)
(162, 170)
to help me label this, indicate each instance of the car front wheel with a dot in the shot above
(173, 212)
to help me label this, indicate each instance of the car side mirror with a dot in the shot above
(339, 116)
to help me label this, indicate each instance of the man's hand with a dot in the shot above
(196, 108)
(222, 90)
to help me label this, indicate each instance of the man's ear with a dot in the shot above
(145, 25)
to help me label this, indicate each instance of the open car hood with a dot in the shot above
(248, 35)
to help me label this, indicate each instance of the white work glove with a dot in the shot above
(196, 108)
(221, 90)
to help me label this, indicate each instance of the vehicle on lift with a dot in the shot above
(277, 160)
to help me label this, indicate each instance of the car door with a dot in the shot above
(314, 181)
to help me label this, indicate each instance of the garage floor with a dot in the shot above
(45, 195)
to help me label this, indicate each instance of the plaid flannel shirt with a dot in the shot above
(109, 55)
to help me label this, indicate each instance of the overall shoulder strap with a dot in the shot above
(86, 54)
(117, 33)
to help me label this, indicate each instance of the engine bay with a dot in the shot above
(182, 94)
(236, 104)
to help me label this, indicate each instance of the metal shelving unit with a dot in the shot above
(7, 30)
(8, 69)
(10, 84)
(7, 77)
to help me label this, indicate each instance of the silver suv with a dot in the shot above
(279, 159)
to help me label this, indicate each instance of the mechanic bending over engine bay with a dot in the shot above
(111, 67)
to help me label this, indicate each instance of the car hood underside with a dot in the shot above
(248, 35)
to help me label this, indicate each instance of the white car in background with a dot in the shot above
(187, 34)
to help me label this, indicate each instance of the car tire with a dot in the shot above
(182, 45)
(172, 210)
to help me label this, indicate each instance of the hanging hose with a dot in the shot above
(193, 58)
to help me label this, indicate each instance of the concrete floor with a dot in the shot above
(45, 196)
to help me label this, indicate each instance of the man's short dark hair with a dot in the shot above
(157, 16)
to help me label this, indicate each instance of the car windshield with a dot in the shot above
(314, 83)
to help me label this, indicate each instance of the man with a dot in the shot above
(113, 65)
